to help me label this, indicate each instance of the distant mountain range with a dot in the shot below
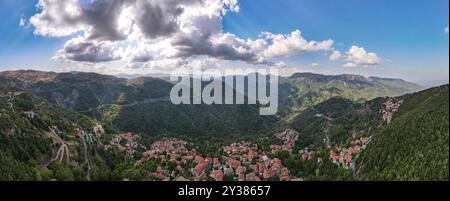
(303, 90)
(299, 91)
(145, 107)
(327, 111)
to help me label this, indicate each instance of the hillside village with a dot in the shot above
(171, 159)
(390, 107)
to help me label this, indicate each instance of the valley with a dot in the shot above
(84, 126)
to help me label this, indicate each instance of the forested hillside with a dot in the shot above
(415, 145)
(407, 136)
(40, 141)
(84, 126)
(303, 90)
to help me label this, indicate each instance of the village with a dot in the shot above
(178, 160)
(390, 107)
(345, 156)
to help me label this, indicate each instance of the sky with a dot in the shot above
(405, 39)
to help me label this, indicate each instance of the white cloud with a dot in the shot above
(350, 65)
(335, 55)
(152, 33)
(446, 30)
(82, 50)
(188, 27)
(358, 56)
(280, 64)
(293, 44)
(57, 18)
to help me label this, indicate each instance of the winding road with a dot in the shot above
(155, 100)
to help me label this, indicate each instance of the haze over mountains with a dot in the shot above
(329, 113)
(102, 96)
(315, 87)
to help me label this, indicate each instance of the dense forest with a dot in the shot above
(415, 145)
(50, 130)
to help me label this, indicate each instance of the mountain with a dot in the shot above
(41, 141)
(415, 145)
(303, 90)
(86, 126)
(405, 137)
(313, 88)
(141, 105)
(137, 104)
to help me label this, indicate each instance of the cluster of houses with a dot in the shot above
(168, 150)
(289, 137)
(390, 107)
(248, 163)
(241, 161)
(344, 156)
(207, 165)
(128, 142)
(308, 154)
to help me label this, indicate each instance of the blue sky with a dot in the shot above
(407, 34)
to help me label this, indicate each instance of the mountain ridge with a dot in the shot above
(10, 73)
(110, 98)
(40, 117)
